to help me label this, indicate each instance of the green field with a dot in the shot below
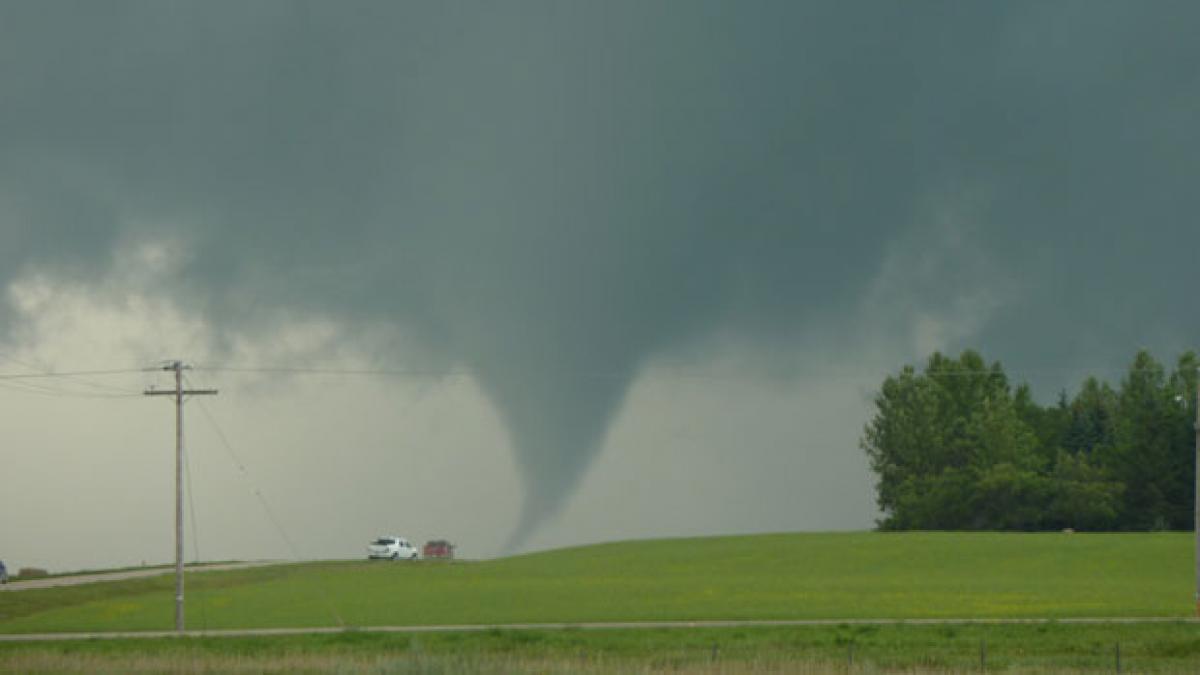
(1163, 648)
(787, 576)
(838, 576)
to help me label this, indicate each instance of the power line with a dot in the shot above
(262, 501)
(241, 467)
(587, 374)
(56, 392)
(1016, 377)
(32, 383)
(179, 392)
(69, 374)
(36, 383)
(80, 380)
(302, 370)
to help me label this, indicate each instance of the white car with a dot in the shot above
(391, 548)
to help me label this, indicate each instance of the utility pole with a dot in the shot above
(179, 392)
(1196, 493)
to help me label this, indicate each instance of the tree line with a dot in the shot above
(956, 447)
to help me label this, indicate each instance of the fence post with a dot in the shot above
(1118, 651)
(983, 654)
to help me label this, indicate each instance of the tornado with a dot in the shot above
(559, 194)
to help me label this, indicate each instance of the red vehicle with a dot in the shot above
(438, 548)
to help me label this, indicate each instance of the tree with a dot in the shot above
(1181, 417)
(1091, 419)
(955, 448)
(1151, 451)
(1050, 425)
(1082, 497)
(899, 441)
(936, 435)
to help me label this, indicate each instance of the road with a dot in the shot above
(77, 579)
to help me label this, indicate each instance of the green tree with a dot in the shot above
(1050, 424)
(936, 434)
(1082, 497)
(1091, 419)
(1010, 489)
(1152, 452)
(1181, 418)
(954, 447)
(901, 440)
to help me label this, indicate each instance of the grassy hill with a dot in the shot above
(786, 576)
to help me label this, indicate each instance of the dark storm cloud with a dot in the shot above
(555, 193)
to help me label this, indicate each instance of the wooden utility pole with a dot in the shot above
(179, 392)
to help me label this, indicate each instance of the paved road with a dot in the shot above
(619, 625)
(76, 579)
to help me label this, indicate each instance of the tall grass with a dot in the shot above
(1166, 648)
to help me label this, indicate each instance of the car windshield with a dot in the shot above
(385, 542)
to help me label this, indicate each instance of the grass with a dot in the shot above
(788, 576)
(796, 576)
(1166, 648)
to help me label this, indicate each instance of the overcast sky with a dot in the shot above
(585, 271)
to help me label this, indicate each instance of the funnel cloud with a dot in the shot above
(555, 196)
